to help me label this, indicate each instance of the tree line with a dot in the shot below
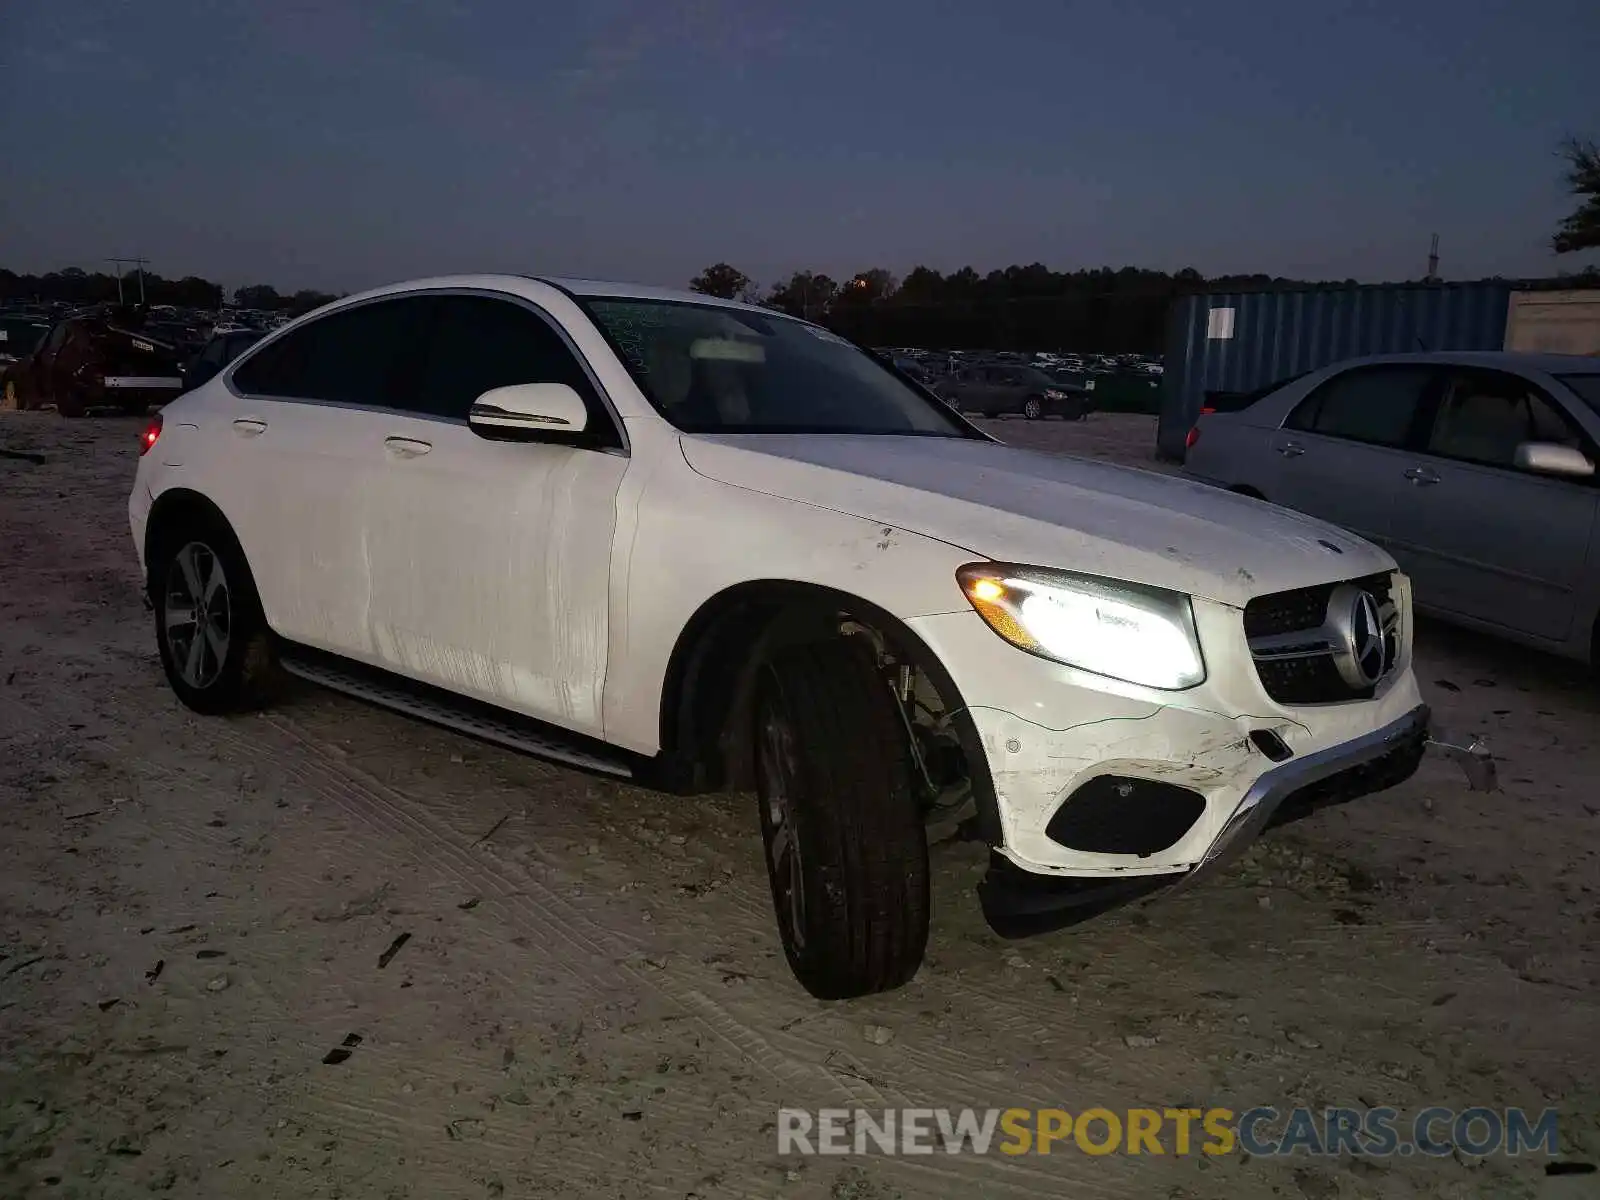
(1104, 309)
(1032, 307)
(73, 285)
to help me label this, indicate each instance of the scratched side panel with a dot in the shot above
(490, 565)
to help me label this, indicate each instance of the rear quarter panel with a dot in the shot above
(1232, 452)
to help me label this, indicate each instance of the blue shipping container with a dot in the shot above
(1240, 341)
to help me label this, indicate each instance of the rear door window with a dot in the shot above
(1377, 405)
(356, 356)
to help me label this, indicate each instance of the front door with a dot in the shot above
(1480, 537)
(491, 559)
(1341, 453)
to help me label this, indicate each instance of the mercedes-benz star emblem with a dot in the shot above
(1360, 652)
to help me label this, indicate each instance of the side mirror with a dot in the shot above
(1552, 458)
(528, 412)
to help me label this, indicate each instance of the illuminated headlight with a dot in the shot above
(1126, 631)
(1054, 394)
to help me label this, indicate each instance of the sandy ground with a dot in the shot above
(590, 1000)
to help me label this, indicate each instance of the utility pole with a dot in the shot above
(140, 263)
(1433, 260)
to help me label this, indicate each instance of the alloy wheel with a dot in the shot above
(197, 616)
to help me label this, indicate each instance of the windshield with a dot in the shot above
(1586, 387)
(709, 369)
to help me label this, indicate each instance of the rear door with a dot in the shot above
(1341, 453)
(491, 559)
(1480, 537)
(304, 431)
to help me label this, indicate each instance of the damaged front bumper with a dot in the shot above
(1017, 901)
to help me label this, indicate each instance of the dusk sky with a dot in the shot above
(339, 144)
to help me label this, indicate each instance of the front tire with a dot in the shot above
(846, 851)
(1032, 408)
(215, 647)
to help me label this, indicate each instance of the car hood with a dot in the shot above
(1013, 505)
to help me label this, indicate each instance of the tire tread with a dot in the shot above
(857, 817)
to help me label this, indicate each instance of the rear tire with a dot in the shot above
(846, 851)
(214, 642)
(70, 406)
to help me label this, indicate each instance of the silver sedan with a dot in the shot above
(1475, 470)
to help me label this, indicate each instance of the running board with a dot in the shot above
(439, 707)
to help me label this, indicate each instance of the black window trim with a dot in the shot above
(619, 433)
(1416, 431)
(1436, 397)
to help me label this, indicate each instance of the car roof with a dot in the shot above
(580, 288)
(640, 291)
(1516, 360)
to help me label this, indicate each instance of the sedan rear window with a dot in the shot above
(1367, 404)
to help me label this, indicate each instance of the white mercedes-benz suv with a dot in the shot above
(708, 547)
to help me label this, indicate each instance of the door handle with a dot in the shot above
(1421, 476)
(404, 447)
(1291, 449)
(249, 426)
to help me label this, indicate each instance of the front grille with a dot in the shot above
(1309, 680)
(1303, 608)
(1294, 645)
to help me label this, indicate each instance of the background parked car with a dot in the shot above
(99, 358)
(994, 389)
(19, 337)
(217, 353)
(1475, 470)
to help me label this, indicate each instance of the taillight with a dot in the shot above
(1206, 412)
(152, 431)
(1192, 438)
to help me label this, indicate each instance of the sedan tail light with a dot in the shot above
(152, 431)
(1192, 438)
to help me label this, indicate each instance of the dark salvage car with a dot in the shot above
(100, 358)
